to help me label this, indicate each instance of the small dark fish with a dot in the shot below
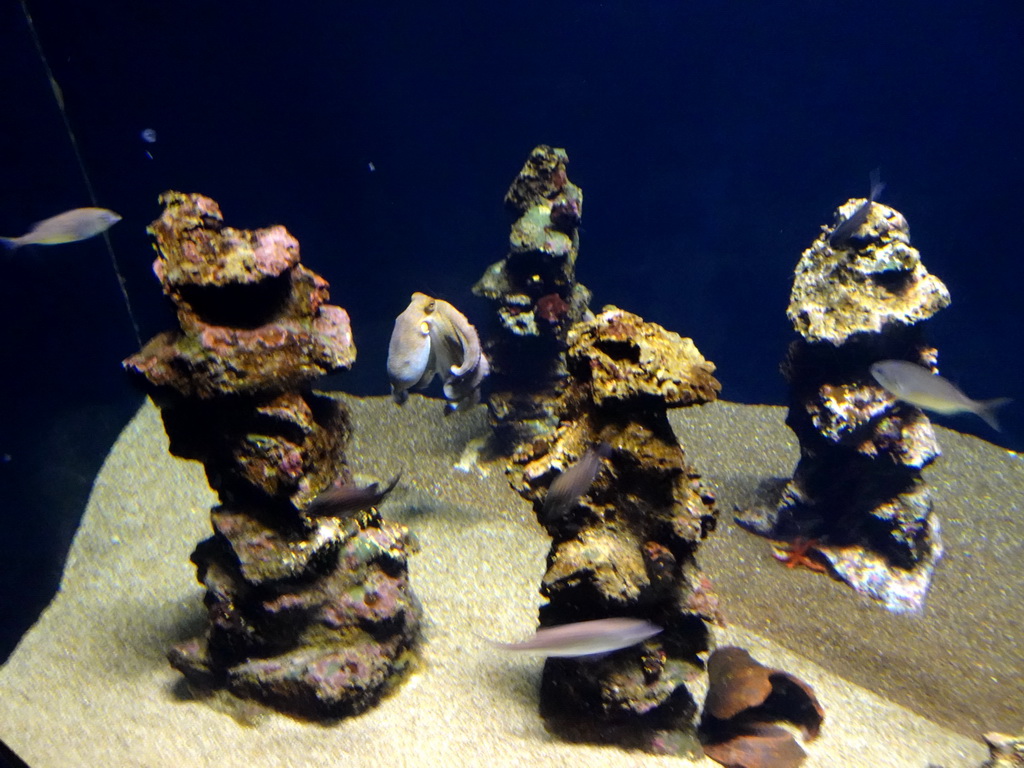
(567, 488)
(344, 500)
(586, 638)
(848, 228)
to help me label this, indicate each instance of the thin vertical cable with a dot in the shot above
(59, 96)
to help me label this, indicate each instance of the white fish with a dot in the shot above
(918, 386)
(586, 638)
(68, 227)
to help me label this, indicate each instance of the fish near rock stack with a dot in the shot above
(857, 498)
(310, 613)
(628, 516)
(536, 299)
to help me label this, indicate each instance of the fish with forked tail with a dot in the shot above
(848, 228)
(344, 500)
(917, 385)
(586, 638)
(68, 227)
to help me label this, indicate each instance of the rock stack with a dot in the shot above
(536, 299)
(626, 544)
(857, 499)
(311, 614)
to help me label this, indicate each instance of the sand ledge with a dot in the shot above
(89, 684)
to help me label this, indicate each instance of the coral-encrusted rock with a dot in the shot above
(1004, 751)
(876, 282)
(275, 357)
(262, 553)
(283, 445)
(627, 358)
(311, 615)
(253, 320)
(626, 547)
(857, 497)
(196, 249)
(536, 298)
(316, 622)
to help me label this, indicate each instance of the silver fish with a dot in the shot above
(68, 227)
(566, 489)
(586, 638)
(848, 228)
(918, 386)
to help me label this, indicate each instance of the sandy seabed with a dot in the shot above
(89, 684)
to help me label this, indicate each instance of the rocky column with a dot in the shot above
(857, 499)
(627, 546)
(313, 615)
(536, 299)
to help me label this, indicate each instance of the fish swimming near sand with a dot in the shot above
(566, 489)
(586, 638)
(68, 227)
(841, 234)
(918, 386)
(344, 500)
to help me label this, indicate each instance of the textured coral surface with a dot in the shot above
(877, 280)
(627, 359)
(857, 498)
(314, 616)
(252, 319)
(626, 546)
(536, 298)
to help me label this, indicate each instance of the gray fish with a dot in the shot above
(344, 500)
(586, 638)
(918, 386)
(848, 228)
(68, 227)
(566, 489)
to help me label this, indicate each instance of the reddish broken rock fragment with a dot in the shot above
(744, 698)
(552, 308)
(766, 746)
(737, 682)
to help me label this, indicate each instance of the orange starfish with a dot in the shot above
(800, 552)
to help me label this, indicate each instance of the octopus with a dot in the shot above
(432, 338)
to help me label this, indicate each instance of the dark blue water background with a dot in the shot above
(711, 140)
